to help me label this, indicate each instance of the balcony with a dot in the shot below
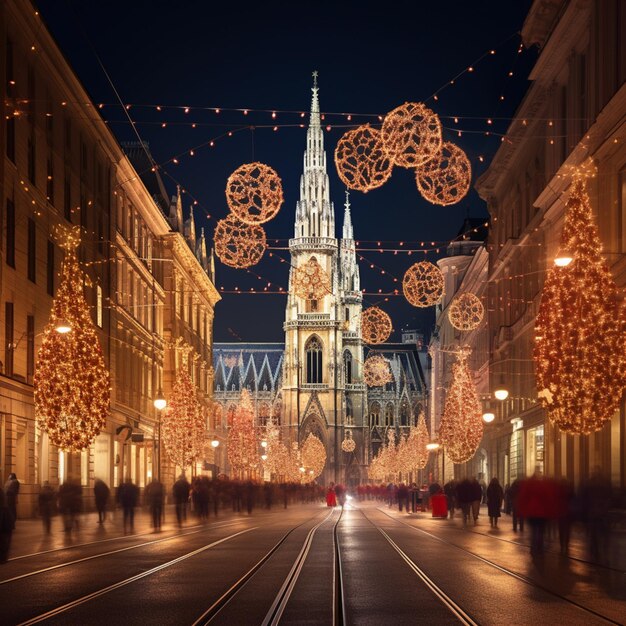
(324, 244)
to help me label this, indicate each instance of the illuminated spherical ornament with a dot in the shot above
(361, 160)
(423, 284)
(466, 312)
(71, 382)
(238, 244)
(580, 330)
(313, 457)
(375, 325)
(461, 427)
(254, 193)
(348, 444)
(377, 371)
(446, 178)
(310, 281)
(411, 134)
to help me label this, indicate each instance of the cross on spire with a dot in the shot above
(315, 75)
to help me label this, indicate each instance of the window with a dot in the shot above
(30, 347)
(404, 414)
(67, 199)
(32, 251)
(347, 314)
(10, 233)
(311, 306)
(313, 351)
(347, 366)
(389, 415)
(31, 159)
(8, 338)
(50, 269)
(99, 306)
(375, 414)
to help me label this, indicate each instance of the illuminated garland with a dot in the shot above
(375, 325)
(310, 281)
(377, 371)
(242, 443)
(411, 134)
(71, 381)
(238, 244)
(313, 457)
(361, 160)
(580, 351)
(422, 284)
(254, 193)
(461, 427)
(466, 312)
(182, 425)
(446, 178)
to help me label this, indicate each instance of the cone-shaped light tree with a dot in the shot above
(242, 444)
(580, 331)
(461, 427)
(71, 382)
(313, 457)
(182, 426)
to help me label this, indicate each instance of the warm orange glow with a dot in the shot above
(422, 284)
(376, 325)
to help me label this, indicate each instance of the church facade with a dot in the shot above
(314, 383)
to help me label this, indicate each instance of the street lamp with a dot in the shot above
(563, 258)
(159, 404)
(501, 392)
(215, 442)
(488, 414)
(63, 327)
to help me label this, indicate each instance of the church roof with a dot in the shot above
(405, 365)
(257, 366)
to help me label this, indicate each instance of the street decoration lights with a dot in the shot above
(580, 330)
(377, 371)
(361, 160)
(313, 456)
(310, 281)
(466, 312)
(422, 284)
(238, 244)
(376, 325)
(71, 381)
(254, 193)
(242, 438)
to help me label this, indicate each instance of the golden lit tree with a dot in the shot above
(461, 426)
(182, 424)
(580, 338)
(313, 457)
(242, 445)
(71, 382)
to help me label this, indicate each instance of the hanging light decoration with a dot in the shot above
(422, 284)
(313, 457)
(237, 244)
(466, 312)
(447, 177)
(580, 343)
(377, 371)
(71, 382)
(361, 160)
(376, 325)
(348, 444)
(461, 427)
(310, 281)
(411, 134)
(182, 425)
(242, 444)
(254, 193)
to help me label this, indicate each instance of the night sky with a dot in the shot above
(371, 57)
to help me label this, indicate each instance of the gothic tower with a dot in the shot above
(323, 389)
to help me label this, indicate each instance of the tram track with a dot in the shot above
(521, 577)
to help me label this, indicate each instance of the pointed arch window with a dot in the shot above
(389, 415)
(375, 414)
(404, 413)
(313, 351)
(347, 366)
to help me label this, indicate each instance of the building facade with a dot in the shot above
(62, 167)
(573, 112)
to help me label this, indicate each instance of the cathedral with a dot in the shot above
(313, 383)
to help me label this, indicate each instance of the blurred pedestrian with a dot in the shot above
(495, 495)
(514, 491)
(566, 510)
(331, 496)
(155, 495)
(181, 498)
(477, 497)
(595, 499)
(464, 497)
(45, 500)
(11, 489)
(6, 528)
(536, 504)
(403, 497)
(70, 503)
(341, 493)
(128, 496)
(450, 490)
(101, 492)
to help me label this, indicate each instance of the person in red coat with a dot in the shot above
(331, 498)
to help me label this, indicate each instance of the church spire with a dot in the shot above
(315, 102)
(348, 233)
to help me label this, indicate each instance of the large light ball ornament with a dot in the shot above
(422, 284)
(348, 444)
(361, 160)
(446, 178)
(238, 244)
(254, 193)
(466, 312)
(310, 281)
(375, 325)
(411, 134)
(377, 371)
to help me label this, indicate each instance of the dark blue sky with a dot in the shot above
(371, 57)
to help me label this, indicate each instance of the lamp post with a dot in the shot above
(159, 404)
(215, 443)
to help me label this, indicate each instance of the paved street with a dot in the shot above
(305, 565)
